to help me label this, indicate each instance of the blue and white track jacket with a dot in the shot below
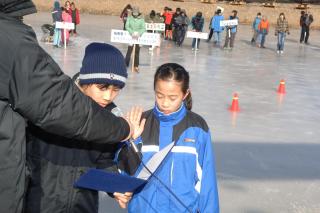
(188, 170)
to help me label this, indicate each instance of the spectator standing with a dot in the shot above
(217, 28)
(75, 17)
(282, 29)
(255, 28)
(135, 25)
(263, 30)
(197, 23)
(125, 13)
(231, 31)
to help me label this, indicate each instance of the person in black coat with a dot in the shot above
(33, 89)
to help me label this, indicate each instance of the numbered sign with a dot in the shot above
(122, 36)
(193, 34)
(65, 25)
(232, 22)
(155, 26)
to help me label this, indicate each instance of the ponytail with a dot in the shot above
(188, 101)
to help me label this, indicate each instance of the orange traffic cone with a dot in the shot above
(282, 87)
(235, 104)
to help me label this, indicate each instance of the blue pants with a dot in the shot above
(281, 39)
(217, 37)
(57, 37)
(263, 38)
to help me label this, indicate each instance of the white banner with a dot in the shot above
(232, 22)
(155, 26)
(193, 34)
(65, 25)
(122, 36)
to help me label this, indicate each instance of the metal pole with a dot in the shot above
(65, 36)
(133, 56)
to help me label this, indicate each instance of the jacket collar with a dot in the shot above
(17, 8)
(172, 118)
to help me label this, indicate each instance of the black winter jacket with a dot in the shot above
(34, 89)
(56, 163)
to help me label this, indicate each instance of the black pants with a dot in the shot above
(136, 56)
(210, 34)
(181, 32)
(304, 34)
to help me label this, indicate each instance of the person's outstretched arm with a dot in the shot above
(45, 96)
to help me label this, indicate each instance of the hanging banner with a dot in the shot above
(193, 34)
(122, 36)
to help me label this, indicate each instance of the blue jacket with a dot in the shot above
(256, 23)
(233, 28)
(56, 12)
(216, 23)
(188, 170)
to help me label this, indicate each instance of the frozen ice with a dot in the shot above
(268, 154)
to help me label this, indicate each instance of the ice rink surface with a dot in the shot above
(268, 154)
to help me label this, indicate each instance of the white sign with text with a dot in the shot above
(193, 34)
(155, 26)
(64, 25)
(122, 36)
(232, 22)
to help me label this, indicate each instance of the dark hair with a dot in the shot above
(199, 14)
(127, 7)
(152, 13)
(176, 72)
(259, 14)
(284, 17)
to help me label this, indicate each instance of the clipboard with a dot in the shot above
(100, 180)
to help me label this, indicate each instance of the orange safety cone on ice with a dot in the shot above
(282, 87)
(235, 103)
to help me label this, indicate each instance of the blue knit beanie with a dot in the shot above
(103, 64)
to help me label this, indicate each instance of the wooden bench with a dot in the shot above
(206, 1)
(271, 4)
(302, 6)
(238, 2)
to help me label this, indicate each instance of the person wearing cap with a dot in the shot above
(135, 25)
(57, 162)
(33, 89)
(217, 28)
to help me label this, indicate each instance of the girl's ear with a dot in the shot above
(187, 93)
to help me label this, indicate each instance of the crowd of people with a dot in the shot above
(177, 23)
(69, 13)
(55, 128)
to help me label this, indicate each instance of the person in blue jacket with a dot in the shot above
(185, 180)
(255, 28)
(217, 28)
(231, 32)
(56, 17)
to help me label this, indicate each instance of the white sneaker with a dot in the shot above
(281, 52)
(192, 49)
(278, 51)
